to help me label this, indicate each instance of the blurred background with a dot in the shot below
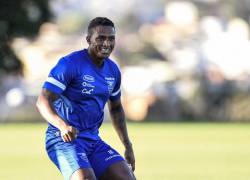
(181, 61)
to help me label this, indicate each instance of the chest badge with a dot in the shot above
(111, 82)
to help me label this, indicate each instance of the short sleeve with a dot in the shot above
(116, 93)
(59, 77)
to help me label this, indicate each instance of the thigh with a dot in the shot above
(118, 171)
(69, 158)
(103, 157)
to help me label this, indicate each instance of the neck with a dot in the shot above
(97, 61)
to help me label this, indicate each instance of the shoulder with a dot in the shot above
(71, 59)
(114, 69)
(112, 64)
(74, 56)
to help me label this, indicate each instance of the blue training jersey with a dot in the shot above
(84, 89)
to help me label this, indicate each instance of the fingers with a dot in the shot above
(74, 132)
(129, 156)
(69, 136)
(131, 163)
(66, 137)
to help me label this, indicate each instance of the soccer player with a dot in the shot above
(72, 101)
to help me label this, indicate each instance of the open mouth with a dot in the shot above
(105, 50)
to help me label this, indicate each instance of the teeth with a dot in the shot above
(105, 50)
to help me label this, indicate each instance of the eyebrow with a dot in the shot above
(101, 35)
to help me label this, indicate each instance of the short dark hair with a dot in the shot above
(99, 21)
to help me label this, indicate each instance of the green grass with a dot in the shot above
(168, 151)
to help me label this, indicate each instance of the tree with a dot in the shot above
(19, 18)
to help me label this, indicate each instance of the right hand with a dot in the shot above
(68, 133)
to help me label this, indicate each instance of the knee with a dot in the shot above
(83, 175)
(89, 177)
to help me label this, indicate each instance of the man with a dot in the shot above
(72, 101)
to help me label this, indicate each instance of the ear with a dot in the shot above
(88, 39)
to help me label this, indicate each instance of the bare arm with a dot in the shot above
(118, 120)
(44, 105)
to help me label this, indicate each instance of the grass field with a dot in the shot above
(168, 151)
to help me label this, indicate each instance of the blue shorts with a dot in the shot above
(81, 153)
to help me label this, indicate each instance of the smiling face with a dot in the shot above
(101, 43)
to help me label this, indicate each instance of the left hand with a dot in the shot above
(129, 156)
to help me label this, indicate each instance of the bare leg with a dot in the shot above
(118, 171)
(83, 174)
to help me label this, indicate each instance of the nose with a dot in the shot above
(106, 43)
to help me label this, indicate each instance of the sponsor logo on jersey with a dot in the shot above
(110, 78)
(88, 78)
(87, 91)
(110, 81)
(85, 84)
(88, 87)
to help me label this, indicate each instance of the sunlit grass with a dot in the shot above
(168, 151)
